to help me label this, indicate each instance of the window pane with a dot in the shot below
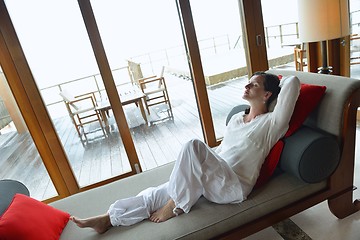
(20, 159)
(220, 40)
(60, 56)
(140, 38)
(281, 32)
(354, 8)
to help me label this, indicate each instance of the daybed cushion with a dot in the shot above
(270, 163)
(200, 223)
(309, 98)
(27, 219)
(310, 155)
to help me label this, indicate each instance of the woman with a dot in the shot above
(226, 175)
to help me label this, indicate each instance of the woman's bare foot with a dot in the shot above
(165, 213)
(99, 223)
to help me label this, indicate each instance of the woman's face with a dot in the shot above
(255, 89)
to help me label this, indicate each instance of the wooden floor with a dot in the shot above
(101, 157)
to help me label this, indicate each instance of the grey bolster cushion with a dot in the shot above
(8, 189)
(310, 155)
(235, 110)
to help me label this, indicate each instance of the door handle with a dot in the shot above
(259, 41)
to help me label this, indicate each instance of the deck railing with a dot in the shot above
(275, 36)
(151, 61)
(282, 34)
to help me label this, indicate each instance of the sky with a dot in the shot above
(276, 12)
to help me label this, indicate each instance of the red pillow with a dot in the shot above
(270, 163)
(27, 219)
(309, 98)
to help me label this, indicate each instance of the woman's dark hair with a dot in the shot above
(271, 84)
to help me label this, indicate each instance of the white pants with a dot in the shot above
(198, 171)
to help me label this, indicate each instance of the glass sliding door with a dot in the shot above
(354, 8)
(19, 158)
(61, 59)
(220, 39)
(143, 39)
(281, 32)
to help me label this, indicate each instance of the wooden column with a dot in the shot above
(313, 57)
(339, 56)
(254, 35)
(110, 87)
(338, 51)
(197, 72)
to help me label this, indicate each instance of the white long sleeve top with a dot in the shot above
(246, 145)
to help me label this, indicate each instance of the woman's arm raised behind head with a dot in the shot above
(284, 108)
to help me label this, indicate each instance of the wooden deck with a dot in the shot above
(102, 157)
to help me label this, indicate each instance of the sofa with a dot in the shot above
(316, 164)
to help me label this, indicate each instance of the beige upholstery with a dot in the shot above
(205, 220)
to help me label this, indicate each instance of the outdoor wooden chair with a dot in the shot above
(354, 49)
(82, 110)
(300, 59)
(154, 87)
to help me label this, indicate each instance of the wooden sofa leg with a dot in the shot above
(342, 206)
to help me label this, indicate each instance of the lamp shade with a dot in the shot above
(321, 20)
